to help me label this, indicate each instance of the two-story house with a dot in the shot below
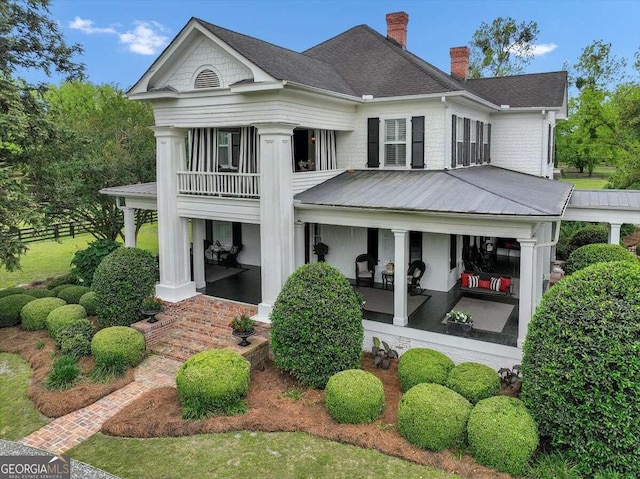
(361, 145)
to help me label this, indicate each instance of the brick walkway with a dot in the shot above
(192, 326)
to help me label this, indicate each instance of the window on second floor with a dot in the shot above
(395, 142)
(470, 142)
(228, 149)
(460, 141)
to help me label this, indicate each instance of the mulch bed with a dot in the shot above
(53, 403)
(157, 414)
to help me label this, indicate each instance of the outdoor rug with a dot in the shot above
(216, 273)
(381, 300)
(486, 315)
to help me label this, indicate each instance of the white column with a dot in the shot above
(539, 277)
(527, 271)
(276, 212)
(614, 233)
(173, 237)
(299, 243)
(197, 238)
(401, 246)
(545, 251)
(129, 227)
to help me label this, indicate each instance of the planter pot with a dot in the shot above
(321, 258)
(150, 314)
(243, 335)
(459, 329)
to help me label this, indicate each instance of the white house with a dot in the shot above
(361, 145)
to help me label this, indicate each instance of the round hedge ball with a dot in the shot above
(502, 434)
(474, 381)
(421, 365)
(119, 346)
(354, 396)
(41, 293)
(72, 294)
(213, 382)
(596, 253)
(88, 301)
(433, 417)
(34, 314)
(10, 307)
(11, 291)
(62, 317)
(56, 290)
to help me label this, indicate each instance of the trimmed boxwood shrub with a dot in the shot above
(502, 434)
(72, 294)
(354, 396)
(11, 291)
(596, 253)
(62, 317)
(421, 365)
(590, 234)
(60, 280)
(433, 417)
(121, 282)
(75, 339)
(117, 348)
(88, 301)
(213, 382)
(34, 314)
(86, 261)
(316, 325)
(41, 293)
(10, 307)
(60, 287)
(474, 381)
(581, 364)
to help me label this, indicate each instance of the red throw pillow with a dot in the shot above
(484, 284)
(505, 283)
(465, 280)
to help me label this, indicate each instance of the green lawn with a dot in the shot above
(586, 183)
(243, 454)
(582, 181)
(18, 415)
(45, 259)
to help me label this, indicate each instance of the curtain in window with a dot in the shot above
(248, 159)
(325, 150)
(203, 150)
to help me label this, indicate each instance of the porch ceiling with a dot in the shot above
(482, 190)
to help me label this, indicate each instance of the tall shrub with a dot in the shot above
(596, 253)
(581, 364)
(589, 234)
(85, 262)
(316, 328)
(121, 282)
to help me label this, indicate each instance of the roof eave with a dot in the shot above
(321, 91)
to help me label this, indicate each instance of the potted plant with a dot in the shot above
(459, 322)
(151, 306)
(242, 327)
(321, 249)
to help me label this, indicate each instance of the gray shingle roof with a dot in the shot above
(537, 89)
(479, 190)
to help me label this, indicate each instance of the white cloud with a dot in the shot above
(144, 39)
(535, 50)
(86, 26)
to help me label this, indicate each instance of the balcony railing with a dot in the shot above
(237, 185)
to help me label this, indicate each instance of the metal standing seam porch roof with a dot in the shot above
(482, 190)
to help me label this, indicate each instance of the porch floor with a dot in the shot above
(244, 286)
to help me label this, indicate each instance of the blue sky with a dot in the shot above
(122, 38)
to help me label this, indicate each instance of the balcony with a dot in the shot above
(232, 185)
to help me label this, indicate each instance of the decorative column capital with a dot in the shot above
(399, 233)
(275, 128)
(169, 132)
(527, 242)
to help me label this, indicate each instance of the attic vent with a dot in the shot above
(207, 79)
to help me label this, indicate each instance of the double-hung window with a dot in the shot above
(228, 149)
(474, 142)
(395, 142)
(460, 141)
(486, 132)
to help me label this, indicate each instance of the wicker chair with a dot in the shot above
(230, 259)
(365, 269)
(414, 275)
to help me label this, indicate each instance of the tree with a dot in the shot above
(102, 140)
(502, 48)
(29, 39)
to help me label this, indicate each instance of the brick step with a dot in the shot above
(222, 339)
(169, 352)
(208, 331)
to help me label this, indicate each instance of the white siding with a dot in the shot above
(517, 142)
(435, 254)
(352, 146)
(345, 243)
(204, 53)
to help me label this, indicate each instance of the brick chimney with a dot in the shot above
(459, 62)
(397, 28)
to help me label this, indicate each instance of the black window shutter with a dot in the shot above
(478, 143)
(235, 148)
(373, 141)
(236, 234)
(417, 142)
(453, 251)
(454, 142)
(307, 240)
(467, 142)
(372, 243)
(488, 159)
